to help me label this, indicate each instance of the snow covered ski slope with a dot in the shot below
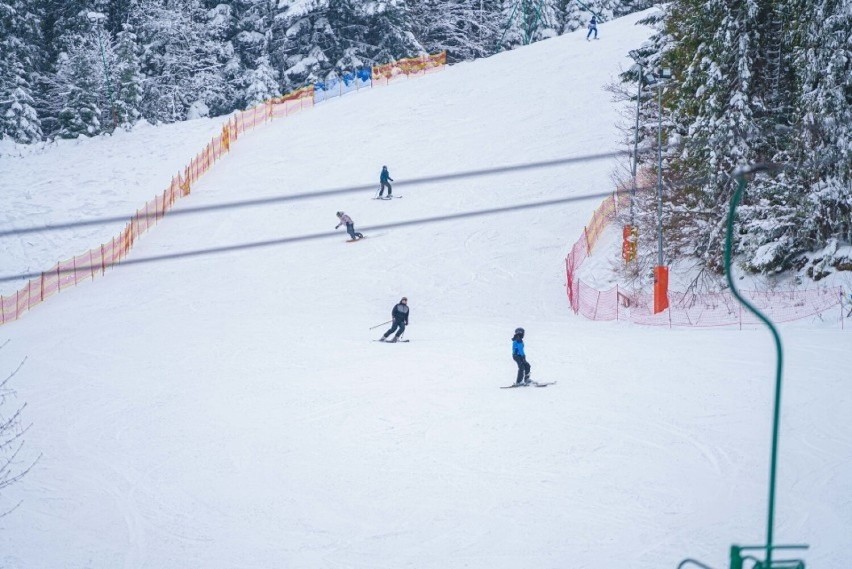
(231, 409)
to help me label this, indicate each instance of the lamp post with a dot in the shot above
(661, 272)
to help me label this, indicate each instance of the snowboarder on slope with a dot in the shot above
(593, 27)
(399, 314)
(350, 226)
(520, 358)
(384, 180)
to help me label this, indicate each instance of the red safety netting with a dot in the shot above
(699, 310)
(97, 260)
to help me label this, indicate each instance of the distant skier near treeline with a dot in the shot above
(520, 358)
(593, 27)
(399, 315)
(384, 180)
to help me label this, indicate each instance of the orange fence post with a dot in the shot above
(661, 288)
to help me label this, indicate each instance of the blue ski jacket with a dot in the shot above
(385, 176)
(518, 348)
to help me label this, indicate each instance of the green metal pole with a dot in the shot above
(773, 462)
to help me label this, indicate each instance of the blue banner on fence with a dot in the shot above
(336, 86)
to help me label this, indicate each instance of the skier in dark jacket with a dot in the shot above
(384, 180)
(520, 358)
(593, 27)
(350, 226)
(399, 314)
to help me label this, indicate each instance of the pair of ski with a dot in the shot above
(386, 197)
(389, 342)
(354, 240)
(532, 383)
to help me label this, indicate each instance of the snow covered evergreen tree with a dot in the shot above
(78, 88)
(255, 79)
(182, 58)
(466, 29)
(528, 21)
(128, 76)
(389, 31)
(304, 44)
(823, 59)
(19, 45)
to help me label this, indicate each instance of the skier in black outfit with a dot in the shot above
(520, 358)
(384, 180)
(399, 314)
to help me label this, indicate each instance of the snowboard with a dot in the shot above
(531, 384)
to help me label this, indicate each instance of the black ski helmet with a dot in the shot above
(519, 331)
(339, 213)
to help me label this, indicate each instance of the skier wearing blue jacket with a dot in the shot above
(593, 27)
(520, 358)
(384, 180)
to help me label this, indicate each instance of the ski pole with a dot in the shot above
(382, 324)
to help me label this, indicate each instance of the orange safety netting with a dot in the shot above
(408, 67)
(686, 309)
(96, 261)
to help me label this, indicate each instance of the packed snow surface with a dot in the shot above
(230, 410)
